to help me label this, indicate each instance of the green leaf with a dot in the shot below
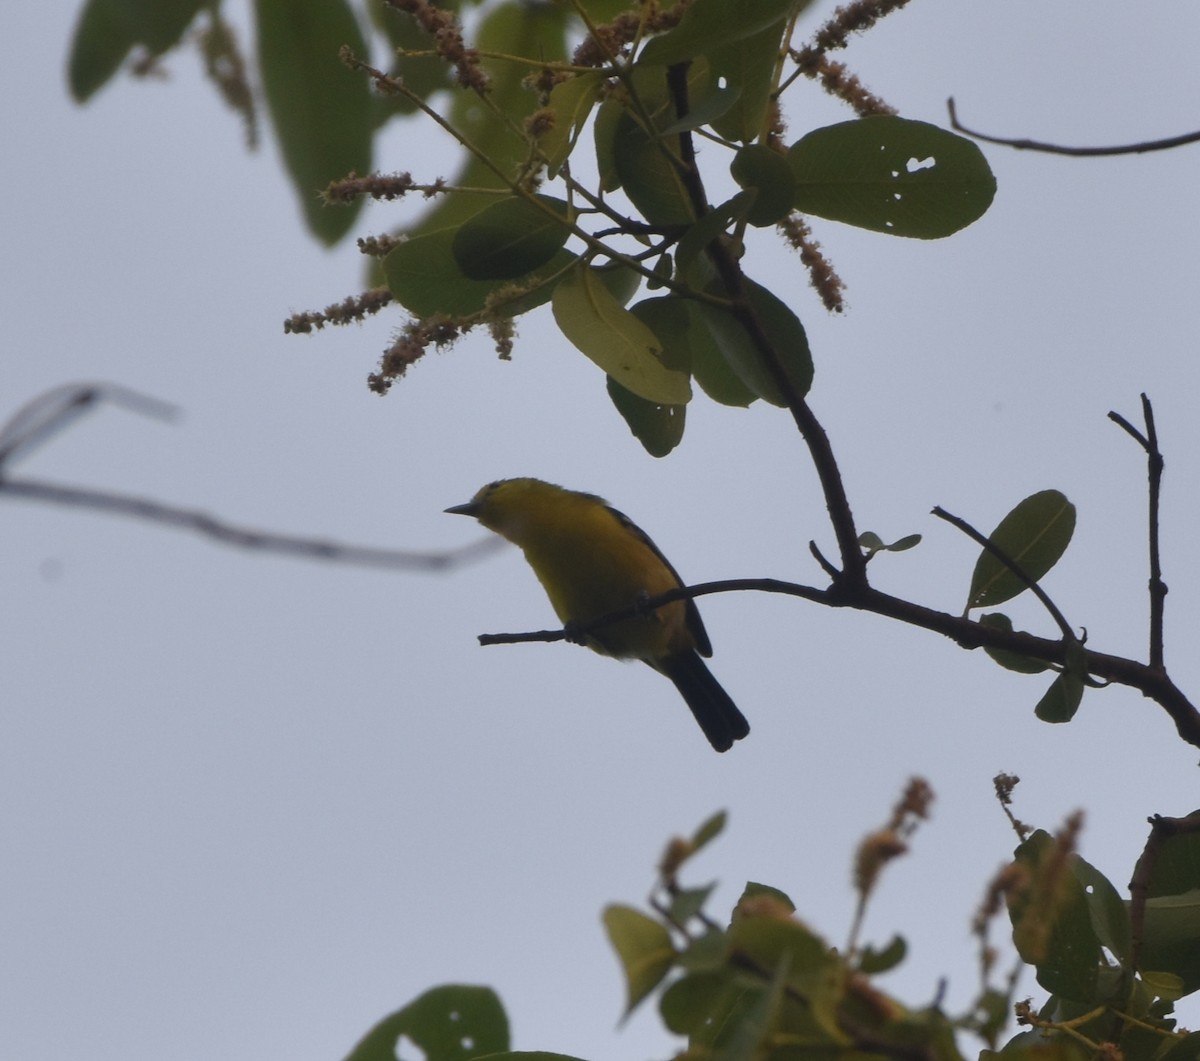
(767, 172)
(596, 323)
(712, 102)
(644, 947)
(871, 543)
(107, 30)
(747, 66)
(321, 109)
(689, 260)
(102, 40)
(688, 902)
(704, 952)
(812, 968)
(451, 1023)
(528, 1055)
(1109, 913)
(571, 102)
(1013, 661)
(1171, 940)
(709, 830)
(424, 276)
(781, 326)
(664, 270)
(693, 1001)
(667, 317)
(925, 1033)
(750, 1037)
(511, 237)
(604, 133)
(755, 890)
(650, 174)
(1052, 925)
(1033, 535)
(710, 369)
(873, 962)
(709, 24)
(623, 283)
(1185, 1049)
(1177, 867)
(1061, 700)
(658, 427)
(892, 175)
(1172, 930)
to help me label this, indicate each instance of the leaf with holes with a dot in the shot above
(892, 175)
(455, 1022)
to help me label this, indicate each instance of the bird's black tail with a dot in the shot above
(717, 714)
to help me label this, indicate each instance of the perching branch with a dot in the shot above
(49, 413)
(1023, 144)
(1151, 682)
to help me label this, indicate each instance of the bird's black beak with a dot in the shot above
(469, 509)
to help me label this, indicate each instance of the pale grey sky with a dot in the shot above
(252, 804)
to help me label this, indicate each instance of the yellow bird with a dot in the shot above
(592, 560)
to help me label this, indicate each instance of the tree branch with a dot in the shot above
(1079, 152)
(47, 414)
(1151, 682)
(245, 537)
(854, 565)
(1154, 460)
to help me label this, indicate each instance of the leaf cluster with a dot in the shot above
(764, 985)
(646, 86)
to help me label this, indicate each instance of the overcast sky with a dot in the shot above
(251, 804)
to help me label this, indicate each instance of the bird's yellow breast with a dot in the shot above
(591, 561)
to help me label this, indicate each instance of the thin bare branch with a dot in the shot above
(1155, 465)
(51, 412)
(242, 536)
(44, 416)
(1023, 144)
